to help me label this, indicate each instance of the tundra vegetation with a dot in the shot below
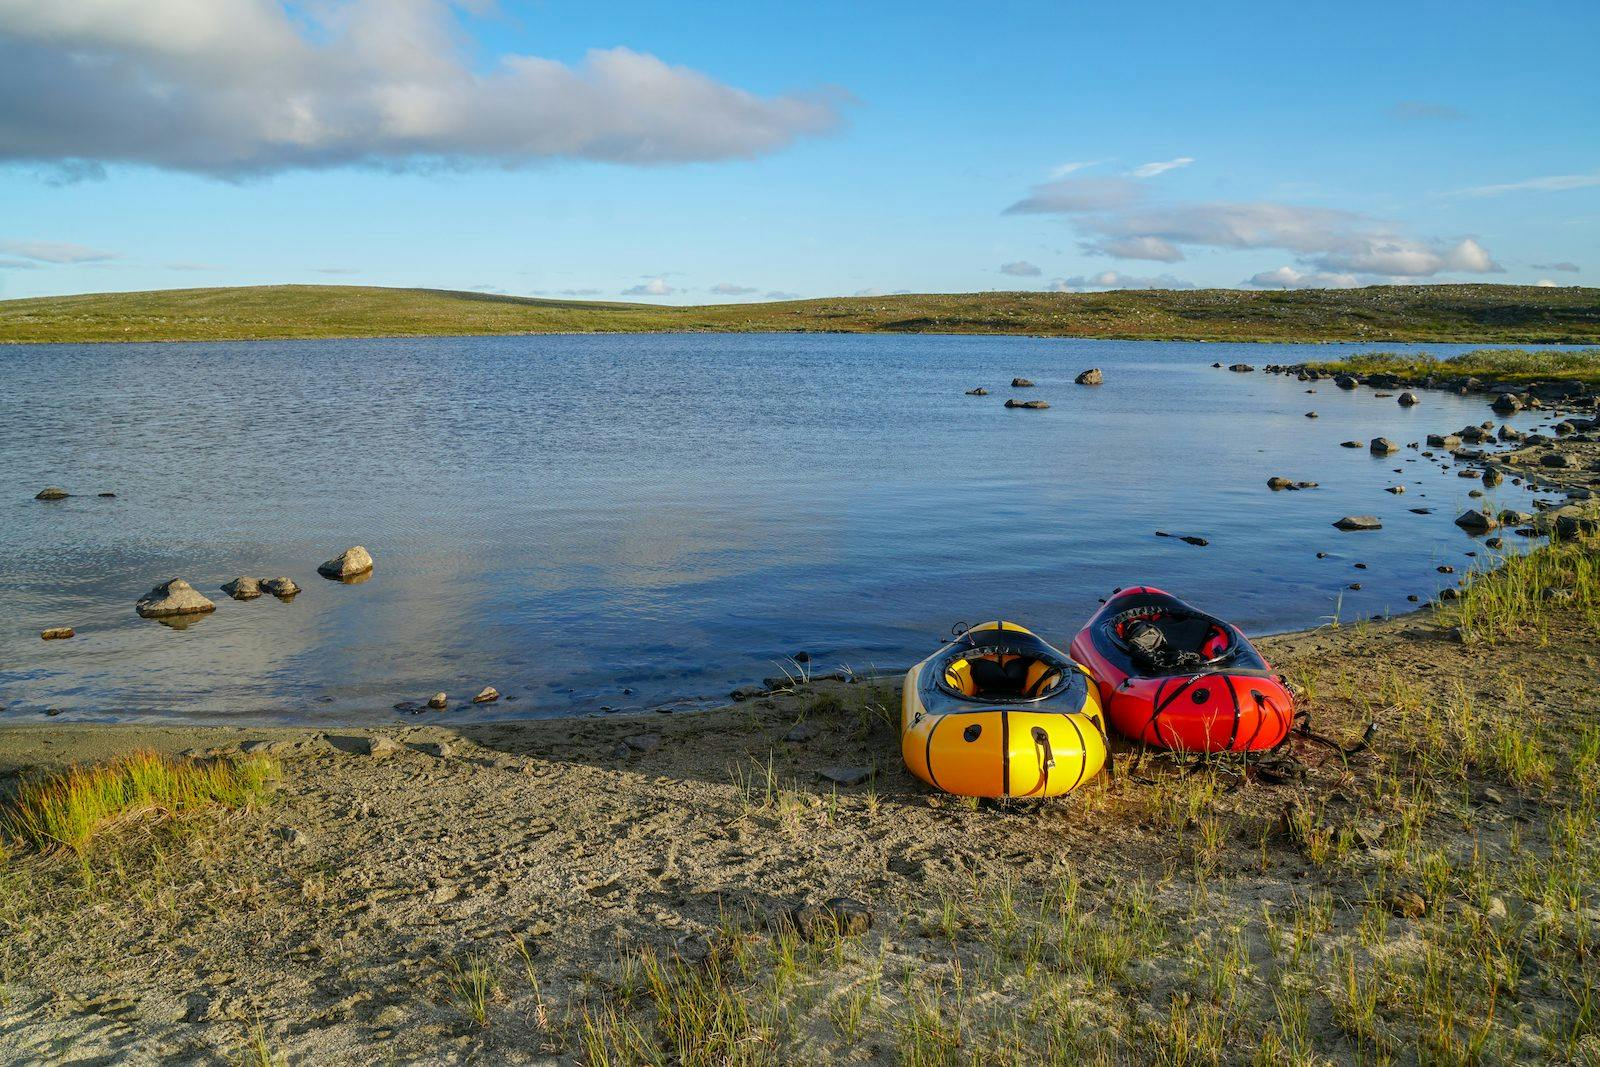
(1504, 314)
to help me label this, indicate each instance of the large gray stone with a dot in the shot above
(173, 597)
(350, 563)
(1359, 522)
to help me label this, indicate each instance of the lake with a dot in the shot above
(636, 521)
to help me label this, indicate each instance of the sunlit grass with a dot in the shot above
(67, 810)
(1490, 364)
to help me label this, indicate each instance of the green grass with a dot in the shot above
(67, 810)
(1490, 364)
(1486, 313)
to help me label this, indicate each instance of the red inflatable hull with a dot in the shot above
(1235, 704)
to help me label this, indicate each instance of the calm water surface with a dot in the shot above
(571, 518)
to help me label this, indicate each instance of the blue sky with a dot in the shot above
(732, 152)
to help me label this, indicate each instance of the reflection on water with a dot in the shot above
(623, 521)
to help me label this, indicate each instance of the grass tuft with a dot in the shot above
(67, 810)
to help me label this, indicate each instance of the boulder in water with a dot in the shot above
(173, 597)
(1359, 522)
(51, 492)
(350, 563)
(1092, 376)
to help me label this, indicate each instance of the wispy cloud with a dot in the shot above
(1150, 170)
(20, 264)
(1064, 169)
(1553, 183)
(55, 252)
(730, 289)
(239, 87)
(1120, 218)
(1020, 269)
(335, 270)
(1570, 268)
(653, 287)
(1289, 278)
(779, 294)
(1425, 111)
(1110, 279)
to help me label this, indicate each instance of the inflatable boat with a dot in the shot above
(1174, 677)
(999, 713)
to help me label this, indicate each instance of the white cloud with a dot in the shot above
(1072, 195)
(1020, 269)
(236, 87)
(1110, 279)
(1553, 183)
(1545, 283)
(729, 289)
(1069, 168)
(1156, 248)
(653, 287)
(1150, 170)
(1121, 219)
(54, 251)
(1289, 278)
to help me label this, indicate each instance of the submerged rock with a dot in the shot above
(1382, 446)
(350, 563)
(1092, 376)
(1349, 444)
(51, 492)
(1240, 368)
(1492, 477)
(1359, 522)
(173, 597)
(281, 587)
(1409, 400)
(439, 701)
(979, 391)
(57, 633)
(1311, 415)
(1443, 440)
(1507, 404)
(1033, 405)
(1021, 383)
(487, 695)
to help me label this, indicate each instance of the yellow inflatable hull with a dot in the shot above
(1046, 738)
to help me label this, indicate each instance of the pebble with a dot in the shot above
(844, 916)
(438, 701)
(845, 776)
(487, 695)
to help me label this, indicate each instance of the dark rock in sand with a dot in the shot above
(979, 391)
(1092, 376)
(1557, 460)
(57, 633)
(801, 732)
(171, 598)
(1034, 405)
(839, 917)
(645, 743)
(1359, 522)
(1409, 400)
(1382, 446)
(243, 588)
(352, 562)
(747, 692)
(1475, 521)
(51, 492)
(1021, 383)
(846, 776)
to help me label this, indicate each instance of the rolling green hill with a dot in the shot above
(1466, 313)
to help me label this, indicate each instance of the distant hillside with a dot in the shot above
(1466, 313)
